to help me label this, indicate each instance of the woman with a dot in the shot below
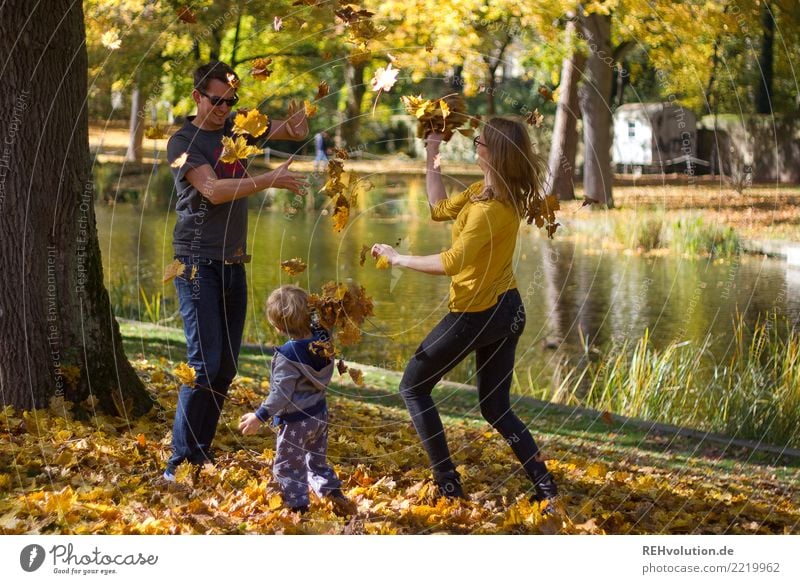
(486, 312)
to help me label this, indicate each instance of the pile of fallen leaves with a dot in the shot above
(71, 470)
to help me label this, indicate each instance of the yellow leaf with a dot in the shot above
(382, 263)
(252, 122)
(275, 502)
(260, 69)
(310, 108)
(185, 373)
(445, 109)
(155, 132)
(238, 149)
(357, 376)
(294, 266)
(180, 160)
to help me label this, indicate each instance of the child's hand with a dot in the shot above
(249, 424)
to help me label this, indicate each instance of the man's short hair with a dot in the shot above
(287, 310)
(213, 70)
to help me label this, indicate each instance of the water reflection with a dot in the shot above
(580, 300)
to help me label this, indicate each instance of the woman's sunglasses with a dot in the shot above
(218, 101)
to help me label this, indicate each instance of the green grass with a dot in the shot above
(752, 393)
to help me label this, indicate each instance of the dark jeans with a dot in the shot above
(492, 334)
(213, 303)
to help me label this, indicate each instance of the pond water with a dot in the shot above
(576, 295)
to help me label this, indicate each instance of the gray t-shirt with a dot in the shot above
(203, 229)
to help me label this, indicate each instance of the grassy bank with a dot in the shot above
(752, 393)
(71, 470)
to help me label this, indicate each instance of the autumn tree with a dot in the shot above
(58, 335)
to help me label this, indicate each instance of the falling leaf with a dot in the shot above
(259, 69)
(175, 268)
(185, 374)
(362, 256)
(357, 376)
(233, 80)
(323, 89)
(310, 108)
(589, 201)
(384, 78)
(239, 149)
(111, 40)
(546, 94)
(341, 213)
(429, 46)
(534, 119)
(445, 109)
(155, 133)
(277, 23)
(251, 122)
(382, 263)
(341, 367)
(341, 153)
(186, 15)
(180, 160)
(294, 266)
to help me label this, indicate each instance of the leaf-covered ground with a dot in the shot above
(68, 470)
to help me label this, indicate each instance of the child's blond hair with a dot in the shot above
(287, 310)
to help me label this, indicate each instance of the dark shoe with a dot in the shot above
(342, 506)
(301, 510)
(546, 494)
(450, 488)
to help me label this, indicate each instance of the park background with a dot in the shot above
(659, 365)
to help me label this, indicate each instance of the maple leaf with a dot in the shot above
(294, 266)
(445, 109)
(341, 367)
(277, 23)
(155, 133)
(233, 80)
(341, 213)
(251, 122)
(534, 119)
(417, 106)
(357, 376)
(382, 263)
(323, 89)
(111, 40)
(239, 149)
(341, 153)
(384, 78)
(185, 374)
(180, 160)
(259, 69)
(362, 256)
(186, 15)
(310, 108)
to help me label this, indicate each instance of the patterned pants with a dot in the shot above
(300, 460)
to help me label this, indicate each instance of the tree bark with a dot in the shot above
(561, 164)
(58, 336)
(136, 126)
(354, 77)
(765, 61)
(596, 113)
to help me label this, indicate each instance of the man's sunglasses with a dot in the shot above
(218, 101)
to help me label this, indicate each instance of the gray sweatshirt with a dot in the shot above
(298, 379)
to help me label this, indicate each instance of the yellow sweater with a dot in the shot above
(480, 259)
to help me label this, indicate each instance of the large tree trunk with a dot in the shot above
(136, 126)
(561, 164)
(765, 60)
(596, 113)
(57, 333)
(354, 76)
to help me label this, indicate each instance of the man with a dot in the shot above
(320, 150)
(210, 242)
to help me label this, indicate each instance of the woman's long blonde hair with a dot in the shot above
(515, 170)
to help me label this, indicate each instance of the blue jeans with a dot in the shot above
(492, 334)
(213, 304)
